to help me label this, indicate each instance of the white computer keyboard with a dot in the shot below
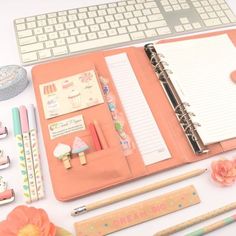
(52, 35)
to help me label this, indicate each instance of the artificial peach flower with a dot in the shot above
(27, 221)
(224, 171)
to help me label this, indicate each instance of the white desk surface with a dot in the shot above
(212, 196)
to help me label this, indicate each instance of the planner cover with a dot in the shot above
(112, 166)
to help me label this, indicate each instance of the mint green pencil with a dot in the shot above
(21, 153)
(214, 226)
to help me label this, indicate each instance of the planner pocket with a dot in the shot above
(104, 168)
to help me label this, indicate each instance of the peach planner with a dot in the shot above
(110, 166)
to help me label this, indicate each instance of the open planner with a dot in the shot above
(159, 106)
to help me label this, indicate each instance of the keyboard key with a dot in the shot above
(81, 37)
(163, 30)
(188, 27)
(58, 51)
(112, 32)
(60, 42)
(102, 34)
(46, 53)
(20, 27)
(32, 47)
(179, 28)
(137, 35)
(19, 21)
(29, 57)
(122, 30)
(24, 33)
(150, 33)
(212, 22)
(92, 36)
(53, 35)
(42, 37)
(49, 44)
(156, 24)
(196, 25)
(71, 40)
(41, 23)
(131, 28)
(48, 29)
(99, 43)
(74, 31)
(225, 20)
(27, 40)
(59, 27)
(104, 26)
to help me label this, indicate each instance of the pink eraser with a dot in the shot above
(24, 119)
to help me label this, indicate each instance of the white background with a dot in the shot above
(212, 195)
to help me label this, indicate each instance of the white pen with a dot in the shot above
(28, 153)
(35, 150)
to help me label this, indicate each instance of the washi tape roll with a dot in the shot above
(13, 80)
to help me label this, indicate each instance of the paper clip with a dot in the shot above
(4, 160)
(3, 131)
(6, 195)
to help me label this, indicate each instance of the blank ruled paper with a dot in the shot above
(142, 123)
(201, 75)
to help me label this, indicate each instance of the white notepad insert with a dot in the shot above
(143, 125)
(201, 75)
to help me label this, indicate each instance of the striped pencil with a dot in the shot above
(212, 227)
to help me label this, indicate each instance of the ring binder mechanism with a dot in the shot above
(180, 107)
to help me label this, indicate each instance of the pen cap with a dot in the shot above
(16, 121)
(24, 119)
(31, 117)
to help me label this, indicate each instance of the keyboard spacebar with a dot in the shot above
(99, 43)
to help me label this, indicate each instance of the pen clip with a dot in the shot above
(3, 131)
(4, 161)
(7, 196)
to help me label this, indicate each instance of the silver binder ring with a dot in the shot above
(153, 58)
(180, 108)
(167, 71)
(188, 129)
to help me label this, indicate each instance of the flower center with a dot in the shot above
(29, 230)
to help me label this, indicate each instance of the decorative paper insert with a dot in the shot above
(70, 94)
(137, 213)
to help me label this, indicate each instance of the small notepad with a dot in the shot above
(201, 76)
(143, 125)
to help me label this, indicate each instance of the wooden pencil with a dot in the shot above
(135, 192)
(196, 220)
(212, 227)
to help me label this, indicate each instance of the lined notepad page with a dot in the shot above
(201, 75)
(143, 125)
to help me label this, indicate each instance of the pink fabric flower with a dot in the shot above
(224, 171)
(27, 221)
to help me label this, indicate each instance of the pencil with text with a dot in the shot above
(196, 220)
(35, 151)
(21, 153)
(135, 192)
